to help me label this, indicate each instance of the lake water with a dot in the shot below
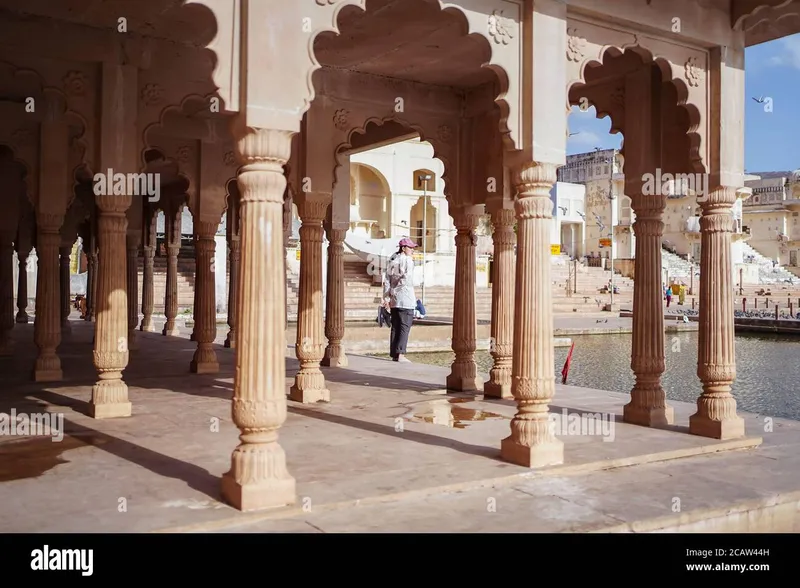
(767, 369)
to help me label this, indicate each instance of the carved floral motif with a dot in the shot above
(75, 83)
(184, 154)
(152, 94)
(21, 137)
(575, 45)
(340, 118)
(444, 133)
(229, 159)
(692, 71)
(501, 28)
(618, 96)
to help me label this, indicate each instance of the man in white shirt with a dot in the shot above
(399, 297)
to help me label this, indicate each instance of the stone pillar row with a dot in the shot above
(234, 250)
(205, 310)
(63, 280)
(22, 286)
(6, 290)
(172, 225)
(47, 326)
(148, 263)
(132, 273)
(334, 301)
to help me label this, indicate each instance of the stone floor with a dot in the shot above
(391, 452)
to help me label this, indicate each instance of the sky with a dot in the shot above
(771, 139)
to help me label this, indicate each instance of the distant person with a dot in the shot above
(668, 295)
(399, 297)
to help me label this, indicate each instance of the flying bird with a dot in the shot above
(760, 99)
(563, 210)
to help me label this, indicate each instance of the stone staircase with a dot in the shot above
(186, 267)
(676, 266)
(585, 296)
(766, 273)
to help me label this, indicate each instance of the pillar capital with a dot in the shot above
(718, 201)
(313, 206)
(533, 179)
(113, 203)
(205, 229)
(49, 223)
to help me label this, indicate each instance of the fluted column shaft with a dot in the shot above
(92, 287)
(47, 322)
(502, 329)
(205, 312)
(110, 393)
(90, 270)
(258, 477)
(532, 442)
(148, 300)
(309, 384)
(173, 228)
(716, 415)
(22, 287)
(334, 301)
(63, 281)
(6, 291)
(195, 303)
(133, 290)
(648, 405)
(463, 375)
(233, 283)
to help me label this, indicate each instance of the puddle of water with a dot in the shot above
(442, 412)
(33, 457)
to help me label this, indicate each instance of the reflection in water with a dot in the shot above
(33, 457)
(442, 412)
(767, 369)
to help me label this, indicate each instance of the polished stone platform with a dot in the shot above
(391, 452)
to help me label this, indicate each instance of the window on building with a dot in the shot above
(419, 180)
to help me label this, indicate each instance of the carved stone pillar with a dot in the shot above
(233, 283)
(309, 384)
(91, 259)
(503, 238)
(464, 372)
(334, 301)
(132, 248)
(258, 477)
(716, 415)
(47, 323)
(532, 442)
(110, 393)
(234, 249)
(148, 259)
(22, 286)
(205, 313)
(6, 290)
(172, 225)
(195, 303)
(648, 405)
(64, 285)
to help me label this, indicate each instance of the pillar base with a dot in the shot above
(457, 383)
(703, 426)
(309, 395)
(48, 375)
(171, 332)
(230, 343)
(537, 456)
(260, 496)
(335, 361)
(147, 328)
(133, 343)
(205, 367)
(648, 417)
(192, 337)
(110, 410)
(495, 390)
(22, 318)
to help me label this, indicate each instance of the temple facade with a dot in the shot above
(115, 112)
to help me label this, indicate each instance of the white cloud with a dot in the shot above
(585, 138)
(790, 56)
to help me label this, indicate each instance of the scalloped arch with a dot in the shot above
(500, 73)
(376, 120)
(694, 157)
(179, 175)
(740, 21)
(166, 111)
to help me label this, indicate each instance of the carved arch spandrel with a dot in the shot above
(747, 14)
(495, 21)
(441, 133)
(686, 68)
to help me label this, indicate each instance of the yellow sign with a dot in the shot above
(555, 249)
(481, 267)
(605, 242)
(297, 255)
(417, 256)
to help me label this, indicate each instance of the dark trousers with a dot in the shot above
(402, 318)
